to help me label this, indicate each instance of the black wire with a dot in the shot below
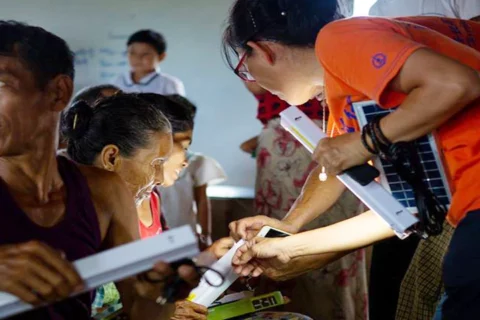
(432, 212)
(406, 162)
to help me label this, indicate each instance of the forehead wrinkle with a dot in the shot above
(15, 67)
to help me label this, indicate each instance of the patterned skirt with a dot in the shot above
(422, 286)
(338, 291)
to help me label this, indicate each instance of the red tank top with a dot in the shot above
(158, 225)
(77, 235)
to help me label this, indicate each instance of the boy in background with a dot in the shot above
(184, 199)
(146, 49)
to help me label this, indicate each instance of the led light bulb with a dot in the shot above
(323, 176)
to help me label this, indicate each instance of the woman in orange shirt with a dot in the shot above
(283, 165)
(426, 66)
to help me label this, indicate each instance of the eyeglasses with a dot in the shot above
(242, 71)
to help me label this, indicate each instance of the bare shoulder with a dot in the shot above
(108, 190)
(101, 182)
(114, 204)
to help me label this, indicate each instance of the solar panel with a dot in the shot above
(434, 172)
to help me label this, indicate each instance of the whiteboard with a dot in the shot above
(97, 31)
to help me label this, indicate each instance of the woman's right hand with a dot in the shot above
(187, 310)
(248, 228)
(259, 255)
(36, 273)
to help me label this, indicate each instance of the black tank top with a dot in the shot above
(77, 235)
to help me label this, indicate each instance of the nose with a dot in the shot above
(134, 59)
(185, 164)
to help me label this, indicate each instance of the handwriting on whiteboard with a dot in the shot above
(107, 62)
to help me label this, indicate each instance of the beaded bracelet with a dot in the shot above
(379, 133)
(365, 133)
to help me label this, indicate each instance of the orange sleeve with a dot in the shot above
(364, 53)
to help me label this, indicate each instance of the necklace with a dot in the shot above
(323, 175)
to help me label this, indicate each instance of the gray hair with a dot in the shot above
(123, 120)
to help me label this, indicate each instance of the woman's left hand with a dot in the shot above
(341, 153)
(185, 310)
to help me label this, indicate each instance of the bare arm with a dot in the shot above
(300, 265)
(310, 249)
(437, 86)
(250, 145)
(350, 234)
(316, 198)
(204, 211)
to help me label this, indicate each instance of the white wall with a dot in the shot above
(362, 7)
(97, 31)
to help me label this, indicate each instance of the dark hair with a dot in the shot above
(289, 22)
(177, 112)
(123, 120)
(44, 53)
(92, 94)
(153, 38)
(185, 103)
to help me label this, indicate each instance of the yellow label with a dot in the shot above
(301, 137)
(191, 297)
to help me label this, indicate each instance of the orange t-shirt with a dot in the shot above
(362, 55)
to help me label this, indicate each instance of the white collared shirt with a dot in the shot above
(155, 82)
(460, 9)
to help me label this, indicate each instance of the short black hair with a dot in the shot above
(123, 120)
(185, 103)
(153, 38)
(289, 22)
(93, 93)
(44, 53)
(179, 114)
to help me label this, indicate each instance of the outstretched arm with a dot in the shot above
(316, 198)
(328, 243)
